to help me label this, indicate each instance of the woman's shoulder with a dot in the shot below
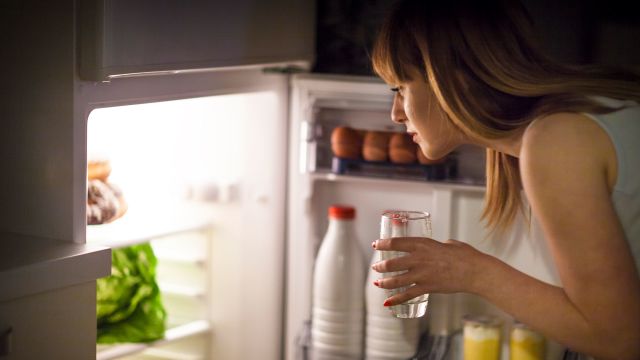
(567, 142)
(564, 130)
(557, 124)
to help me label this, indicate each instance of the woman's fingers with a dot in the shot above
(399, 263)
(405, 296)
(406, 244)
(450, 266)
(395, 282)
(410, 245)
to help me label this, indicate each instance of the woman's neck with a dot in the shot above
(509, 145)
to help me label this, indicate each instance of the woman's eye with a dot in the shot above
(397, 90)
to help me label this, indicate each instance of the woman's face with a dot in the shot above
(415, 106)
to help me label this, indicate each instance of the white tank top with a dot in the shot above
(623, 127)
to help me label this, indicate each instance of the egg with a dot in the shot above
(402, 150)
(426, 161)
(346, 142)
(375, 146)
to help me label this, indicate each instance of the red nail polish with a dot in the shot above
(387, 303)
(376, 283)
(373, 244)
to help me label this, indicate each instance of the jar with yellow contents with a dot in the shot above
(525, 343)
(481, 337)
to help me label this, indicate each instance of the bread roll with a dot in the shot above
(102, 203)
(99, 170)
(105, 202)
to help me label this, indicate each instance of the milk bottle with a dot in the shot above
(337, 315)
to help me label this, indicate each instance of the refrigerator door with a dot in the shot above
(124, 38)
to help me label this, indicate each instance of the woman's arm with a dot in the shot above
(566, 164)
(597, 311)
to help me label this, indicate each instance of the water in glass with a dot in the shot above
(404, 224)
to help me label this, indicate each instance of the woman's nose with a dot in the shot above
(397, 110)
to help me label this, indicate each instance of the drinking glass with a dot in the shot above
(399, 223)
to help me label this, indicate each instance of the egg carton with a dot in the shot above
(436, 172)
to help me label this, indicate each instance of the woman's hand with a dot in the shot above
(432, 266)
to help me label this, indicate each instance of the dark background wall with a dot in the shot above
(577, 31)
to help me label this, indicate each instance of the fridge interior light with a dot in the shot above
(165, 150)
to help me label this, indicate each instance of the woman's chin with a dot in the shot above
(432, 154)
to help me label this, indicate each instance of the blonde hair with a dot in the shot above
(488, 76)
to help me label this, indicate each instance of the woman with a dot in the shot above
(467, 72)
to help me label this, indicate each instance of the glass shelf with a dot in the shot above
(106, 352)
(140, 225)
(453, 185)
(182, 290)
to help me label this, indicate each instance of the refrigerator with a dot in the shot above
(228, 172)
(232, 186)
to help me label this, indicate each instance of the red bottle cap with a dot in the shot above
(342, 212)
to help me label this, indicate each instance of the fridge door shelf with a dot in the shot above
(435, 172)
(429, 346)
(465, 164)
(106, 352)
